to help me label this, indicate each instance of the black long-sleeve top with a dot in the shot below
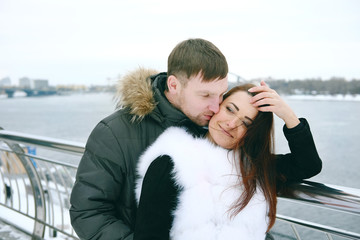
(159, 190)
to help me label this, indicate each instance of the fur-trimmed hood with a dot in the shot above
(141, 92)
(134, 91)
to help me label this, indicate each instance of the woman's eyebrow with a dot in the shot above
(249, 119)
(234, 106)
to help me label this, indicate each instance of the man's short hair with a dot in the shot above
(194, 56)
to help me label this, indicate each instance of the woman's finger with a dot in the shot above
(266, 108)
(262, 95)
(266, 102)
(259, 89)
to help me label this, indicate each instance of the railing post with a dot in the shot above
(39, 199)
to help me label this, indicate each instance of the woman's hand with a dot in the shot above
(268, 100)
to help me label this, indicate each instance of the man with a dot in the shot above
(103, 201)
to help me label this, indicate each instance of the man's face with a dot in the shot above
(199, 101)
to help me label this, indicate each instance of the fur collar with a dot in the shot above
(134, 91)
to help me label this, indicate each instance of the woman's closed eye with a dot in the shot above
(245, 123)
(230, 109)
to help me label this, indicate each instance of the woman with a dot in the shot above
(224, 186)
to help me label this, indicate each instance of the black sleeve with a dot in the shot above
(99, 183)
(157, 200)
(303, 161)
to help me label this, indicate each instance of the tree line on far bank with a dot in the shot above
(332, 86)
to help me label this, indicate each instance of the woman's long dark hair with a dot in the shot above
(256, 160)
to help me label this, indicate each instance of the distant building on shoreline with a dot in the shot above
(25, 82)
(41, 84)
(5, 82)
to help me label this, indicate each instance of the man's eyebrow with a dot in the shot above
(235, 106)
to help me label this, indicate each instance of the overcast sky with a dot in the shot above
(93, 42)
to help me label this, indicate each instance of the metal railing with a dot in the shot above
(37, 186)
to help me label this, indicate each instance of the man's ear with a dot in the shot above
(173, 84)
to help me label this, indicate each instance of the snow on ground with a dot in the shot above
(9, 233)
(23, 201)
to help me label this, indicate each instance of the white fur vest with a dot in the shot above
(210, 186)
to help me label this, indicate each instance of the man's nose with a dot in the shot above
(215, 106)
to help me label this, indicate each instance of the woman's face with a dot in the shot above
(229, 125)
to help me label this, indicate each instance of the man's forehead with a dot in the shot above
(213, 86)
(211, 91)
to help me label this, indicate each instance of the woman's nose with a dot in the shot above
(234, 122)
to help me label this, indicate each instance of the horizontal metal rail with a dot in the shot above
(319, 227)
(46, 142)
(38, 187)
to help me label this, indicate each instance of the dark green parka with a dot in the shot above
(102, 201)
